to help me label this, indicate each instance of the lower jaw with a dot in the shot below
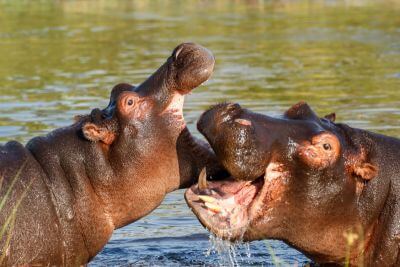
(225, 216)
(177, 101)
(174, 111)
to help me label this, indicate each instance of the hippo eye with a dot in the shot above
(130, 102)
(327, 146)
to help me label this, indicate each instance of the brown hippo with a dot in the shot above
(62, 195)
(328, 190)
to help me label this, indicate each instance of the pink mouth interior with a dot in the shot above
(174, 111)
(223, 206)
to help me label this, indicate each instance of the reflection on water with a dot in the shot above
(61, 58)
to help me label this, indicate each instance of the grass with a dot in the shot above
(275, 260)
(6, 230)
(351, 237)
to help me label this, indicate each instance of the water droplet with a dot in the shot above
(228, 253)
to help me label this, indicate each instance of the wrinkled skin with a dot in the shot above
(112, 167)
(328, 190)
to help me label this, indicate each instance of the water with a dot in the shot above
(61, 58)
(229, 254)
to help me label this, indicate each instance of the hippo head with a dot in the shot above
(153, 108)
(298, 178)
(138, 136)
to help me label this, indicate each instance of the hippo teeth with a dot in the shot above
(207, 199)
(202, 182)
(213, 207)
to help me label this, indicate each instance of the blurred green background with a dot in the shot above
(61, 58)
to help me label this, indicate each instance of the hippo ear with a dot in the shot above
(362, 166)
(331, 117)
(365, 170)
(301, 111)
(97, 133)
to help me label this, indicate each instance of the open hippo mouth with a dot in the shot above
(224, 207)
(228, 207)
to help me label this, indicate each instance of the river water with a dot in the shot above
(61, 58)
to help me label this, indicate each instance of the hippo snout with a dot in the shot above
(216, 115)
(187, 67)
(193, 64)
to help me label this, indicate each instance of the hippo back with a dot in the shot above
(27, 216)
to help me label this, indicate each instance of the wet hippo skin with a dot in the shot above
(66, 192)
(325, 188)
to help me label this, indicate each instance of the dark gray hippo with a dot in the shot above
(327, 189)
(62, 195)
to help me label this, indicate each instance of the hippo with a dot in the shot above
(63, 194)
(328, 190)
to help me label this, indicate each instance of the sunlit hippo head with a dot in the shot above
(300, 178)
(143, 134)
(132, 110)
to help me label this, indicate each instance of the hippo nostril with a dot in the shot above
(179, 49)
(232, 106)
(177, 52)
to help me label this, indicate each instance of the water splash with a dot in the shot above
(228, 253)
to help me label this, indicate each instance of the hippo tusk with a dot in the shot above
(202, 183)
